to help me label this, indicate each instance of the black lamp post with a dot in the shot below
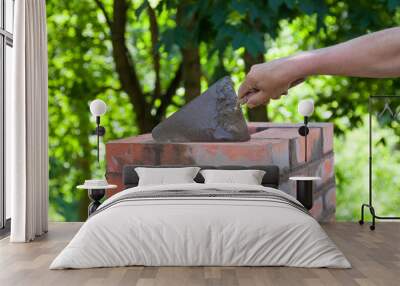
(98, 108)
(305, 108)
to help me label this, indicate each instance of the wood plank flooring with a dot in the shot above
(375, 257)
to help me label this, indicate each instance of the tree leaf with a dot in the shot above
(393, 4)
(290, 3)
(239, 40)
(275, 4)
(141, 8)
(240, 6)
(254, 43)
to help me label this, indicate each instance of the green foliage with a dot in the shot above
(351, 154)
(81, 68)
(243, 24)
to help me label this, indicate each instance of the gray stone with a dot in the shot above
(210, 117)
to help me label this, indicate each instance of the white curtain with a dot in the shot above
(26, 128)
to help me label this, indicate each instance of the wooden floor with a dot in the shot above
(375, 257)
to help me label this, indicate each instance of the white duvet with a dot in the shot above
(200, 231)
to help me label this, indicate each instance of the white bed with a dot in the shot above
(269, 229)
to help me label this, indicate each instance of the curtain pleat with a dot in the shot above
(29, 161)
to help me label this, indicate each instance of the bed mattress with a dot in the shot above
(201, 225)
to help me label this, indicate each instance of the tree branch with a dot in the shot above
(105, 88)
(126, 68)
(156, 55)
(103, 9)
(258, 113)
(190, 51)
(170, 92)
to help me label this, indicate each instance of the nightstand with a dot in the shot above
(96, 191)
(304, 190)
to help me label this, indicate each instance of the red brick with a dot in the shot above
(297, 143)
(317, 209)
(270, 144)
(114, 179)
(326, 128)
(330, 198)
(327, 135)
(326, 170)
(331, 217)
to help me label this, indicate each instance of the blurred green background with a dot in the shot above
(145, 59)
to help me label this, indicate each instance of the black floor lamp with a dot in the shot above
(97, 187)
(306, 109)
(98, 108)
(304, 184)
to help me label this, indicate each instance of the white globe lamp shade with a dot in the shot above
(306, 107)
(98, 107)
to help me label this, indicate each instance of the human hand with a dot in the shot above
(268, 81)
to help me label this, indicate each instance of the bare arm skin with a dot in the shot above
(376, 55)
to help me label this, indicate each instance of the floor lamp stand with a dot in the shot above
(100, 131)
(303, 131)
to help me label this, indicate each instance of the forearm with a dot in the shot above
(376, 55)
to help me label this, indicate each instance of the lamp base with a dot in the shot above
(95, 196)
(305, 193)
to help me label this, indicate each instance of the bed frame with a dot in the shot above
(271, 178)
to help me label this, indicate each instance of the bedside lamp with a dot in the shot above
(96, 188)
(98, 108)
(306, 109)
(304, 184)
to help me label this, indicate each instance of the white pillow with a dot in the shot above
(162, 176)
(248, 177)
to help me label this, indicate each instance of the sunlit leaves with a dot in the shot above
(351, 156)
(80, 69)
